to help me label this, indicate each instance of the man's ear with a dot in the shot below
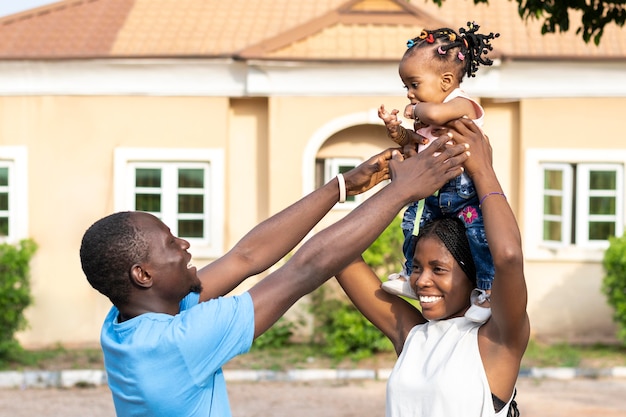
(140, 276)
(447, 81)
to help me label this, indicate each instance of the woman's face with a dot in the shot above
(442, 287)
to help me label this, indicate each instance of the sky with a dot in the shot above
(14, 6)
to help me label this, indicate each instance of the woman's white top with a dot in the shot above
(440, 373)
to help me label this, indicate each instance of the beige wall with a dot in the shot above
(590, 123)
(565, 303)
(70, 149)
(70, 166)
(565, 300)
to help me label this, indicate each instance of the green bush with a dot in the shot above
(614, 282)
(385, 254)
(15, 294)
(276, 336)
(342, 330)
(349, 334)
(338, 326)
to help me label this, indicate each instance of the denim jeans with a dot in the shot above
(456, 198)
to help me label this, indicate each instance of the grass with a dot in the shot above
(303, 356)
(580, 356)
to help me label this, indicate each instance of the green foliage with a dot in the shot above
(595, 15)
(614, 282)
(342, 330)
(349, 333)
(15, 294)
(276, 336)
(385, 254)
(338, 326)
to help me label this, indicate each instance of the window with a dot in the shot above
(13, 194)
(327, 169)
(579, 203)
(181, 187)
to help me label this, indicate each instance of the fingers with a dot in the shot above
(396, 155)
(464, 126)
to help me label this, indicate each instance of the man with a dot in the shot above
(170, 330)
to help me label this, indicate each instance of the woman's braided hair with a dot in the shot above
(451, 232)
(466, 49)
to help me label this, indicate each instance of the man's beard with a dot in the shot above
(196, 288)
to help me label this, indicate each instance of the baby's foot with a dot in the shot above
(398, 284)
(480, 309)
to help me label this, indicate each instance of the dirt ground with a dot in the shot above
(536, 398)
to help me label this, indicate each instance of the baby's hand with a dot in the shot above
(388, 117)
(391, 120)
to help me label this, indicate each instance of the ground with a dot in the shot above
(536, 398)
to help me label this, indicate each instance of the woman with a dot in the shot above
(449, 365)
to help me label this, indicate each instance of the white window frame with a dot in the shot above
(561, 159)
(331, 169)
(582, 202)
(16, 159)
(565, 218)
(127, 159)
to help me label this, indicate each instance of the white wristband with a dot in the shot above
(342, 188)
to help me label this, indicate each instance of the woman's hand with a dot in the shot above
(464, 130)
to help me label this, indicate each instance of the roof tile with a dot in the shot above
(277, 29)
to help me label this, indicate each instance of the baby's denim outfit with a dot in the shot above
(456, 198)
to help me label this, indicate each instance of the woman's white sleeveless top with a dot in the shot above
(440, 373)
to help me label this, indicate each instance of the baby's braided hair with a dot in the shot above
(451, 232)
(472, 47)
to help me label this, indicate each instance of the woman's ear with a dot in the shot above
(140, 276)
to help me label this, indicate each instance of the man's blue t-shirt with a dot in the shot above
(162, 365)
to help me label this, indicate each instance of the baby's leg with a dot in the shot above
(480, 253)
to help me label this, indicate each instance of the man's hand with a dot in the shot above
(370, 172)
(420, 176)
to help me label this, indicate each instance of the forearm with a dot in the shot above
(390, 314)
(509, 292)
(322, 256)
(501, 226)
(399, 136)
(287, 228)
(330, 250)
(267, 243)
(437, 114)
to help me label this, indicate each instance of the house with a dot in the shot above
(237, 109)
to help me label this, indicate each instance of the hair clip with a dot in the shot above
(441, 51)
(430, 38)
(410, 43)
(452, 37)
(423, 34)
(461, 56)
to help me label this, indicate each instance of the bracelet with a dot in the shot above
(342, 188)
(416, 118)
(480, 204)
(402, 139)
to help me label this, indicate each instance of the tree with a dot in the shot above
(596, 14)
